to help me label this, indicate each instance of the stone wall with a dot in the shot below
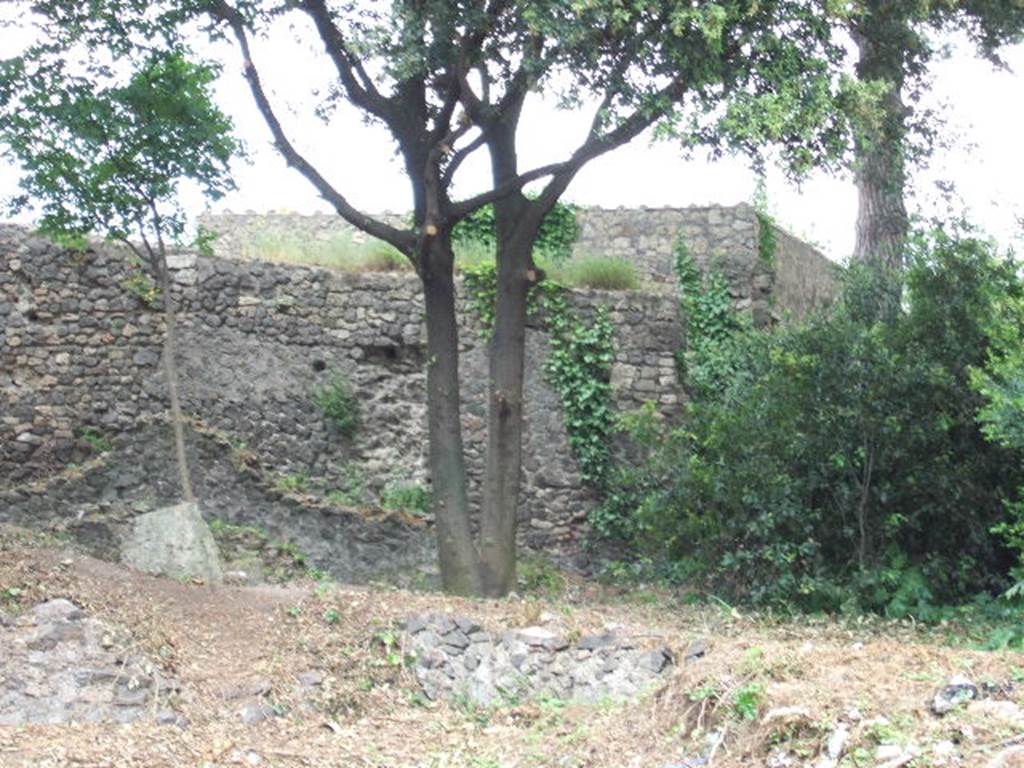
(721, 237)
(802, 282)
(80, 355)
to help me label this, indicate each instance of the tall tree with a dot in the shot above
(448, 78)
(895, 45)
(107, 158)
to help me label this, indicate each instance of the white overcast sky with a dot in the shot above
(984, 112)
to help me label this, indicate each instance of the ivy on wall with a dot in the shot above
(558, 232)
(713, 327)
(579, 366)
(767, 238)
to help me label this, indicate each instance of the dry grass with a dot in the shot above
(346, 254)
(341, 252)
(369, 713)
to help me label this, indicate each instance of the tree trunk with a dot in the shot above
(880, 175)
(457, 555)
(505, 419)
(171, 373)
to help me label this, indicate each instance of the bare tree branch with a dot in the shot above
(594, 146)
(460, 155)
(402, 240)
(358, 85)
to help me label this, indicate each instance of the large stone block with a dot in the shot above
(173, 541)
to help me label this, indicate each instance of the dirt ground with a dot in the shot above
(767, 692)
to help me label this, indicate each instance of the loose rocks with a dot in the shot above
(959, 691)
(457, 658)
(59, 666)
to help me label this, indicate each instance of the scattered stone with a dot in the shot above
(245, 757)
(57, 610)
(173, 541)
(256, 712)
(835, 747)
(457, 658)
(170, 717)
(257, 687)
(312, 678)
(596, 642)
(698, 649)
(902, 759)
(888, 751)
(943, 752)
(959, 691)
(57, 665)
(781, 759)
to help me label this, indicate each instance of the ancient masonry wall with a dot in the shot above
(80, 355)
(799, 277)
(80, 361)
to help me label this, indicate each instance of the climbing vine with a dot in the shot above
(557, 235)
(767, 238)
(579, 366)
(481, 282)
(713, 327)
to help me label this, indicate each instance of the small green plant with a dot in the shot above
(331, 616)
(338, 403)
(537, 574)
(406, 497)
(746, 701)
(343, 252)
(297, 482)
(204, 240)
(703, 692)
(140, 286)
(295, 611)
(352, 492)
(579, 368)
(389, 643)
(289, 549)
(715, 331)
(95, 439)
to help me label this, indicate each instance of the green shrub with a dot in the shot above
(1000, 381)
(602, 272)
(338, 403)
(837, 463)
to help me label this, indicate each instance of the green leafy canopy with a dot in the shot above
(106, 153)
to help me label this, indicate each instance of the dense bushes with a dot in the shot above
(839, 462)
